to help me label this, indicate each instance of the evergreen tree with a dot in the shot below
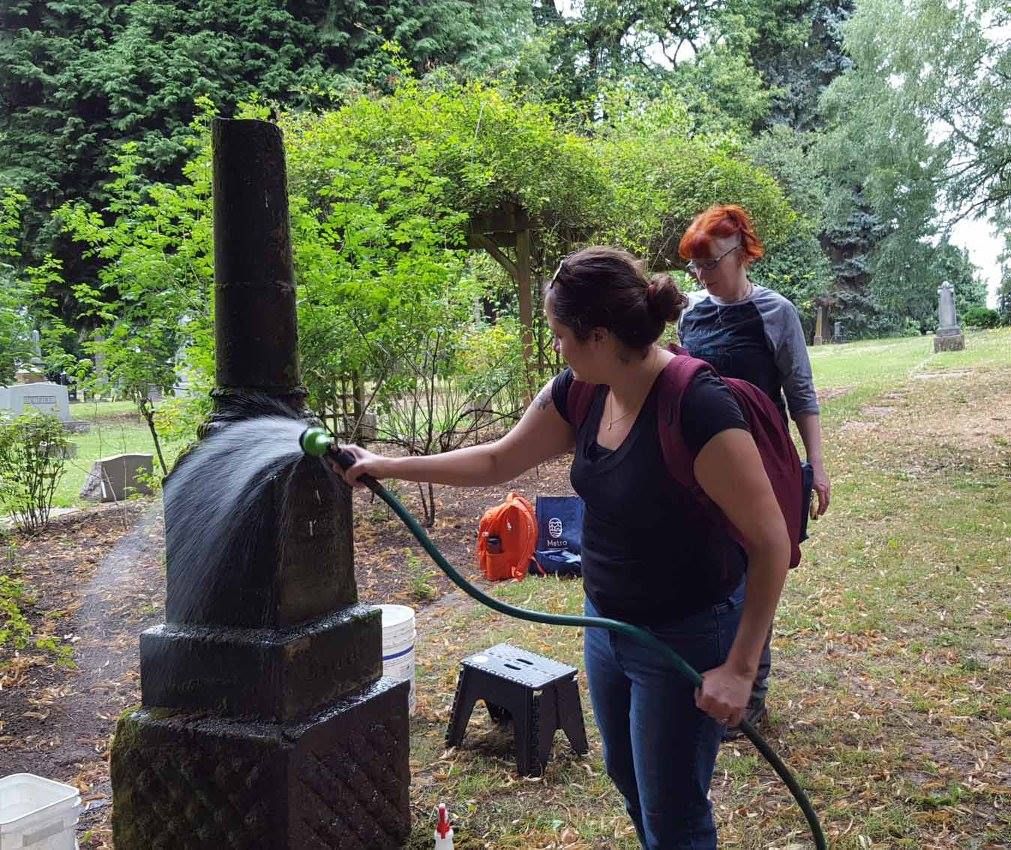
(80, 78)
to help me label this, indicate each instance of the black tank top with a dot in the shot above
(649, 552)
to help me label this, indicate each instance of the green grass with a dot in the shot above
(116, 428)
(871, 368)
(889, 695)
(94, 411)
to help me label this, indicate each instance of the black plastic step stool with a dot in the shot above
(539, 695)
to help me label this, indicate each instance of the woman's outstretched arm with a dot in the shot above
(540, 435)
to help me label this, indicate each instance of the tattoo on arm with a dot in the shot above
(543, 399)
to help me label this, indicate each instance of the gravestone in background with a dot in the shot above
(949, 335)
(113, 479)
(819, 325)
(42, 396)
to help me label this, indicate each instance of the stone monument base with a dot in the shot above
(195, 782)
(949, 342)
(278, 675)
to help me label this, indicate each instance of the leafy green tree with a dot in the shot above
(949, 64)
(1004, 289)
(980, 317)
(800, 268)
(797, 47)
(32, 457)
(722, 91)
(79, 78)
(149, 304)
(951, 263)
(1004, 300)
(662, 178)
(882, 167)
(646, 46)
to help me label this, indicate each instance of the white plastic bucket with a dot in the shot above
(398, 646)
(37, 813)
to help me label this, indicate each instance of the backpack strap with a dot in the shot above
(675, 379)
(578, 401)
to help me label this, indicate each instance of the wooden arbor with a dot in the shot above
(509, 227)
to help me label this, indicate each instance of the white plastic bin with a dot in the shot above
(37, 813)
(398, 646)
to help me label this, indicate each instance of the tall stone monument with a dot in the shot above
(819, 325)
(265, 721)
(33, 371)
(949, 335)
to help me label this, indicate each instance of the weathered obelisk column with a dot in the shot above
(819, 325)
(265, 720)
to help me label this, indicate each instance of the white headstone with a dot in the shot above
(949, 335)
(43, 396)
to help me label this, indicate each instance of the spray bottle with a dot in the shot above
(443, 831)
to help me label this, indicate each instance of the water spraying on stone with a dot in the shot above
(218, 504)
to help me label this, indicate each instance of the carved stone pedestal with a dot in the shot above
(949, 342)
(338, 780)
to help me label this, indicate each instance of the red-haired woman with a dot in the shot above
(748, 331)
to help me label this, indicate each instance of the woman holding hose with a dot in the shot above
(650, 555)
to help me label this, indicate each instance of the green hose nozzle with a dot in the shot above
(315, 442)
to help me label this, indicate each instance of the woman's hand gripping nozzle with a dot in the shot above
(316, 442)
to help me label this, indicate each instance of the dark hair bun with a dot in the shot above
(664, 299)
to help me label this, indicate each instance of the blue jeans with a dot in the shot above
(659, 749)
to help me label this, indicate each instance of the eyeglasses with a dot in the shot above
(696, 266)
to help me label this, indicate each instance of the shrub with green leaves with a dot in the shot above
(33, 449)
(16, 631)
(14, 628)
(981, 317)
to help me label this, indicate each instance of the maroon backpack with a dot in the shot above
(779, 455)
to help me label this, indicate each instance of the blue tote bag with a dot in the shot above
(559, 529)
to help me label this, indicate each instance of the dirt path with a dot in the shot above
(98, 582)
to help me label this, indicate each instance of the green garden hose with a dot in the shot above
(316, 442)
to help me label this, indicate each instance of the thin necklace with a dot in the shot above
(611, 421)
(751, 288)
(610, 398)
(727, 304)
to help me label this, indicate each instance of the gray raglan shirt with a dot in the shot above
(759, 339)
